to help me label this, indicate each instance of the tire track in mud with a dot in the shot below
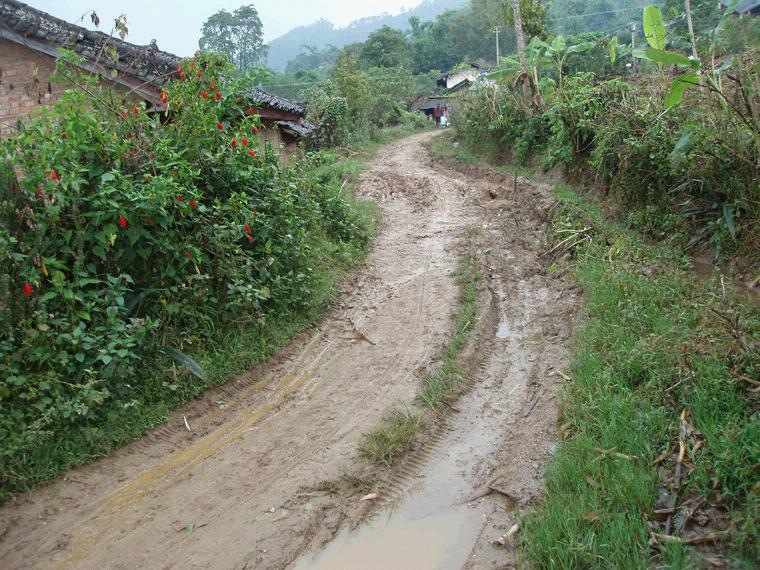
(244, 476)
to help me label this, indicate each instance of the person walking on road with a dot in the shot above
(437, 114)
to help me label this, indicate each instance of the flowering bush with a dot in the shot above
(122, 231)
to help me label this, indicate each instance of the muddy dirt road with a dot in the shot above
(246, 488)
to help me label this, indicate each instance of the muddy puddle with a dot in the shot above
(436, 522)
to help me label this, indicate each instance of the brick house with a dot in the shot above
(29, 44)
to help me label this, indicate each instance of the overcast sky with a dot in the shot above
(176, 24)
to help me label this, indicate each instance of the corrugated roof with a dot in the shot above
(43, 32)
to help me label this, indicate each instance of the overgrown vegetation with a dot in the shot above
(398, 432)
(660, 416)
(95, 341)
(685, 168)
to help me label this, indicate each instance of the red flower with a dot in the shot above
(134, 109)
(123, 222)
(204, 94)
(255, 129)
(250, 238)
(123, 114)
(54, 176)
(212, 87)
(164, 95)
(198, 73)
(179, 69)
(181, 75)
(218, 96)
(193, 204)
(180, 199)
(233, 144)
(189, 254)
(244, 141)
(251, 152)
(27, 290)
(251, 111)
(247, 229)
(65, 136)
(220, 126)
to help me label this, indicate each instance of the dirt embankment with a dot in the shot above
(245, 488)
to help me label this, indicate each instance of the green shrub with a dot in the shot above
(123, 233)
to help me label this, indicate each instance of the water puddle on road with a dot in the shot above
(431, 527)
(427, 531)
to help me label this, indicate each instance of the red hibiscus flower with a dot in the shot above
(54, 176)
(244, 141)
(123, 114)
(189, 254)
(123, 222)
(255, 129)
(27, 289)
(233, 144)
(134, 109)
(253, 154)
(247, 229)
(250, 238)
(180, 199)
(204, 94)
(65, 136)
(193, 204)
(220, 126)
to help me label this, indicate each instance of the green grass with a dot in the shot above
(654, 342)
(232, 351)
(398, 432)
(447, 146)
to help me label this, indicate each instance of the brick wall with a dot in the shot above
(24, 83)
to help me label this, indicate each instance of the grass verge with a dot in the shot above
(398, 432)
(233, 351)
(661, 418)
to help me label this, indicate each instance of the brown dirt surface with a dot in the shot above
(246, 487)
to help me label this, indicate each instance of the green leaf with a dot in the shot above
(100, 252)
(654, 28)
(84, 315)
(181, 358)
(728, 215)
(48, 296)
(679, 87)
(670, 58)
(106, 359)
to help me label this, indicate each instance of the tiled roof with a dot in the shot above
(41, 31)
(275, 102)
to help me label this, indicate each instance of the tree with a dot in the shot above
(517, 16)
(386, 47)
(238, 35)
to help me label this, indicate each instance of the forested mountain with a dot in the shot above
(322, 33)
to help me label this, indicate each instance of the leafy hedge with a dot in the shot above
(688, 173)
(125, 236)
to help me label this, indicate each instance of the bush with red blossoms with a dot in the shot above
(136, 232)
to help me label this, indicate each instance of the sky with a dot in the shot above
(176, 24)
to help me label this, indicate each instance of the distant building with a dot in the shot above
(461, 78)
(748, 7)
(29, 44)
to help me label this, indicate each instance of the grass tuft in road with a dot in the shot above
(397, 433)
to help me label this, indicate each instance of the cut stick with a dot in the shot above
(187, 425)
(613, 453)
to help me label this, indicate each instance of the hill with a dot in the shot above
(323, 33)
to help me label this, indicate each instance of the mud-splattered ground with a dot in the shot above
(248, 480)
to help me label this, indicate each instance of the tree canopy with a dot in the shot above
(236, 34)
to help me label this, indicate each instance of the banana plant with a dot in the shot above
(558, 50)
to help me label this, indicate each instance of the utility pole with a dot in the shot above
(496, 31)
